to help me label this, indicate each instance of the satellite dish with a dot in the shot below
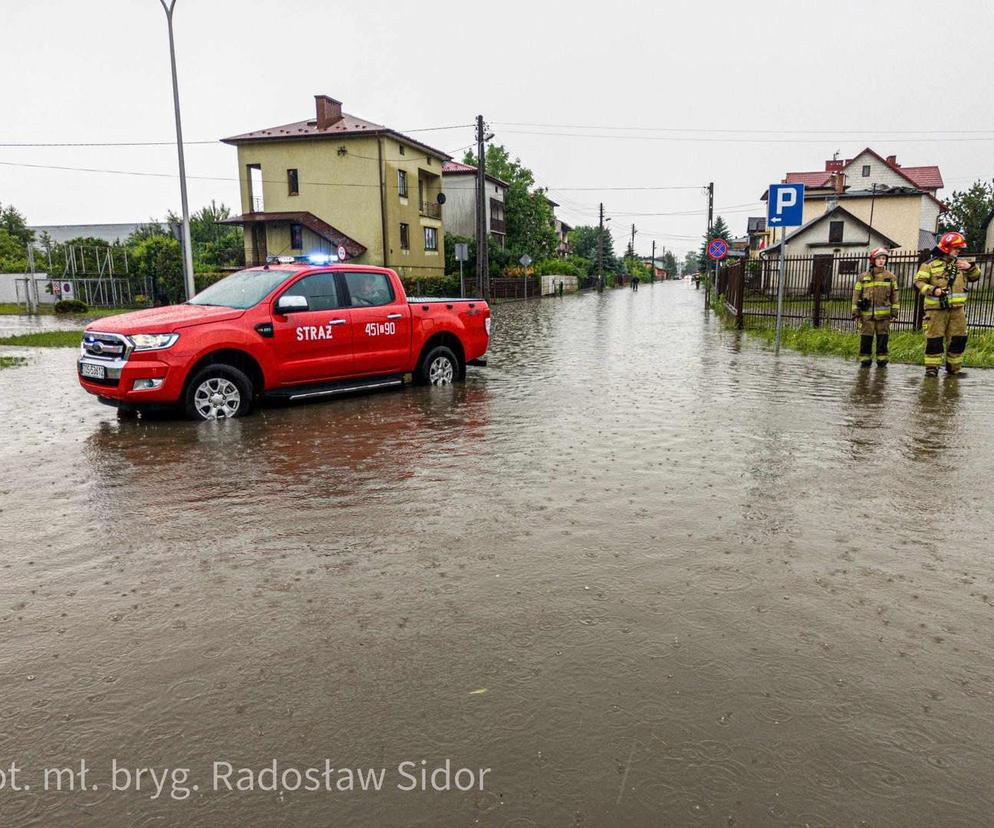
(440, 198)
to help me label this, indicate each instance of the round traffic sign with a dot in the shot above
(717, 249)
(341, 253)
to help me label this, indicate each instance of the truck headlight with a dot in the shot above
(153, 342)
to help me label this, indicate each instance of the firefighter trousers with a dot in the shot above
(945, 339)
(870, 329)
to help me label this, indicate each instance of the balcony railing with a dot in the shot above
(431, 209)
(497, 225)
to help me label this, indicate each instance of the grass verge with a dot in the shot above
(906, 347)
(11, 309)
(11, 362)
(45, 339)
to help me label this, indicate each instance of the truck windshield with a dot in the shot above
(241, 290)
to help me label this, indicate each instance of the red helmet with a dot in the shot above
(878, 251)
(951, 242)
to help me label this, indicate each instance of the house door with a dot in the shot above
(821, 276)
(259, 250)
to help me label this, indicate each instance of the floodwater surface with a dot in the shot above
(640, 569)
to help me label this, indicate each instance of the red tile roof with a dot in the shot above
(925, 178)
(457, 168)
(808, 179)
(348, 126)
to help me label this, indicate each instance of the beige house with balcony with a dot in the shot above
(336, 180)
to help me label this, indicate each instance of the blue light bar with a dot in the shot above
(321, 258)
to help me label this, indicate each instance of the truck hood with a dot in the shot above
(163, 320)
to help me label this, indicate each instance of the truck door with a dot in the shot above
(313, 345)
(381, 324)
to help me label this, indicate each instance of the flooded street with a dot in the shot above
(643, 571)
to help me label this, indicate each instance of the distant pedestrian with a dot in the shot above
(635, 283)
(874, 305)
(942, 280)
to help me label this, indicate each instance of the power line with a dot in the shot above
(698, 139)
(709, 130)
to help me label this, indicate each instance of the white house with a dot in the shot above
(459, 186)
(900, 202)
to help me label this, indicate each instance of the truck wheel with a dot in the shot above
(218, 392)
(439, 366)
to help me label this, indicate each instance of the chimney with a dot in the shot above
(839, 182)
(329, 111)
(892, 159)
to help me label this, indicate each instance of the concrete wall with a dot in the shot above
(550, 284)
(9, 288)
(344, 190)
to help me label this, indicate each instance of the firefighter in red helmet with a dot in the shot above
(942, 281)
(874, 305)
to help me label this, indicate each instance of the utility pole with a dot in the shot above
(600, 252)
(187, 244)
(707, 282)
(633, 241)
(652, 264)
(482, 255)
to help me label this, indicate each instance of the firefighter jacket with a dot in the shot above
(941, 272)
(874, 295)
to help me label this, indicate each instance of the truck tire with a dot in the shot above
(439, 366)
(218, 392)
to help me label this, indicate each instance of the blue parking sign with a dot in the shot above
(786, 205)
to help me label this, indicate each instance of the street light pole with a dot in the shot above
(187, 245)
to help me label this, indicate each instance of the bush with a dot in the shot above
(160, 260)
(558, 267)
(71, 306)
(518, 272)
(433, 285)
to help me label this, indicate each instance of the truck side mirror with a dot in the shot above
(291, 304)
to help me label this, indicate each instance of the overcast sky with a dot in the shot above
(670, 94)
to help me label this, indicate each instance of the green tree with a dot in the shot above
(146, 231)
(690, 263)
(583, 240)
(160, 260)
(215, 244)
(527, 211)
(15, 225)
(968, 212)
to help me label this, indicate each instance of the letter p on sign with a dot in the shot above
(785, 205)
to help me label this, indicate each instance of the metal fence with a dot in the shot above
(526, 287)
(818, 289)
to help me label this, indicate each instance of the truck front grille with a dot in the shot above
(105, 346)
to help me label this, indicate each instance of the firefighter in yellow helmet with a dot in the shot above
(874, 304)
(942, 281)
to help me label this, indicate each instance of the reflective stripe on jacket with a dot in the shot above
(940, 273)
(881, 289)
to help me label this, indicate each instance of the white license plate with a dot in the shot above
(94, 371)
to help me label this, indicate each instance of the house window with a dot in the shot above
(866, 171)
(402, 150)
(296, 237)
(848, 267)
(292, 184)
(405, 237)
(402, 183)
(431, 238)
(835, 231)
